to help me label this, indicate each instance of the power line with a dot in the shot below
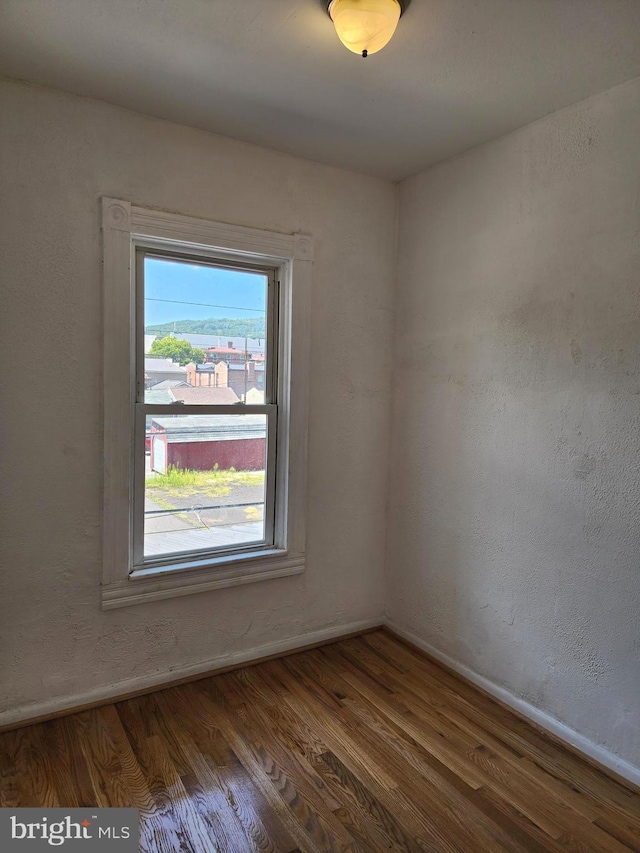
(205, 305)
(190, 509)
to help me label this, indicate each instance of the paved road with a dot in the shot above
(194, 525)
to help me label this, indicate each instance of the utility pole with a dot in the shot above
(246, 369)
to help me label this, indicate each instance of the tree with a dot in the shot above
(177, 350)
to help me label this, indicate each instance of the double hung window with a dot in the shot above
(206, 356)
(205, 480)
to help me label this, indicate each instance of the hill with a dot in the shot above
(252, 327)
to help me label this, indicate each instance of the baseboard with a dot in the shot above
(61, 706)
(597, 754)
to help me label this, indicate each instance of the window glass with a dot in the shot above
(205, 331)
(205, 485)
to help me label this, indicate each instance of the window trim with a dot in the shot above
(124, 226)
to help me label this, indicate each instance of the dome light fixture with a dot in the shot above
(365, 26)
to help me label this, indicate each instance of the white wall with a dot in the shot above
(514, 500)
(59, 154)
(514, 535)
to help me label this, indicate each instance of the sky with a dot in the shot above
(217, 292)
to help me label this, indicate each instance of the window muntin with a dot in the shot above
(205, 451)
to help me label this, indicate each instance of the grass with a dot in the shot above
(182, 482)
(171, 505)
(253, 513)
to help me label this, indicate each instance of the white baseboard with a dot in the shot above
(542, 718)
(100, 695)
(103, 695)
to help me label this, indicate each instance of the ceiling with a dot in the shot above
(456, 74)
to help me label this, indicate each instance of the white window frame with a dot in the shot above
(274, 531)
(124, 228)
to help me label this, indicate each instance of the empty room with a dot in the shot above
(320, 491)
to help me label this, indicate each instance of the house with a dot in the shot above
(162, 370)
(208, 375)
(240, 376)
(246, 368)
(228, 354)
(418, 628)
(245, 377)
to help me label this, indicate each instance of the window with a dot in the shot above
(205, 369)
(205, 480)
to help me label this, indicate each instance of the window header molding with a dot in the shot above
(125, 226)
(121, 215)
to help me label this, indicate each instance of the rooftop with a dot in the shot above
(205, 396)
(162, 365)
(192, 428)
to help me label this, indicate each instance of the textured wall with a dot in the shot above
(514, 536)
(514, 501)
(59, 154)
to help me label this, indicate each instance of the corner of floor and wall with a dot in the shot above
(473, 442)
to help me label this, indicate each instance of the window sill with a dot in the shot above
(153, 584)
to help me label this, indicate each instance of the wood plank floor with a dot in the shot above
(362, 745)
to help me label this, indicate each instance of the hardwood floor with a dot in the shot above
(357, 746)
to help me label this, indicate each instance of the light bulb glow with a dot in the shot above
(365, 26)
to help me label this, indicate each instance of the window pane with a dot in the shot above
(204, 482)
(204, 333)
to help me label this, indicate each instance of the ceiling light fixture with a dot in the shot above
(365, 26)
